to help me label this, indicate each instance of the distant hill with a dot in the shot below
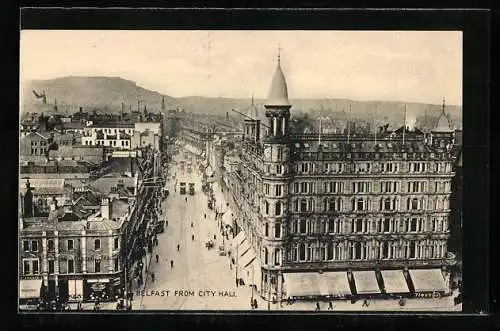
(100, 92)
(109, 92)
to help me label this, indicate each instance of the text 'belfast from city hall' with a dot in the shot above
(253, 206)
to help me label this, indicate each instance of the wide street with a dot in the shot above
(200, 278)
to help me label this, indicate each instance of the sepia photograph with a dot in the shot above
(240, 170)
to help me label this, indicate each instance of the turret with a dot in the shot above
(277, 104)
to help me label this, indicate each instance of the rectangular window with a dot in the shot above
(115, 243)
(359, 225)
(35, 267)
(26, 267)
(97, 266)
(277, 230)
(26, 245)
(278, 190)
(51, 266)
(116, 266)
(71, 266)
(50, 245)
(70, 244)
(279, 153)
(34, 246)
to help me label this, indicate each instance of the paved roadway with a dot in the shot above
(203, 272)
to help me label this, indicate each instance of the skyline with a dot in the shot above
(410, 66)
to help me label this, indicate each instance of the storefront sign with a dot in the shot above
(100, 280)
(98, 286)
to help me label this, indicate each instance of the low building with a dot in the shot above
(91, 154)
(34, 147)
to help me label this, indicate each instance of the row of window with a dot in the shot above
(42, 143)
(367, 167)
(32, 246)
(32, 266)
(367, 251)
(363, 225)
(366, 204)
(39, 151)
(368, 187)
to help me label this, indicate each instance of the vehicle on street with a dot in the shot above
(182, 186)
(222, 251)
(191, 188)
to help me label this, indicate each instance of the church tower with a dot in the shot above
(275, 179)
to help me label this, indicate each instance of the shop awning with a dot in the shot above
(227, 219)
(238, 239)
(394, 281)
(242, 248)
(301, 284)
(337, 283)
(427, 280)
(366, 282)
(316, 284)
(30, 288)
(246, 259)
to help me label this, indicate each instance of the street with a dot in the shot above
(200, 278)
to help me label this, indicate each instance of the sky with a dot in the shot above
(412, 66)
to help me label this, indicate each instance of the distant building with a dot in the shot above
(34, 147)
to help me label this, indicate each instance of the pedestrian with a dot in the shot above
(205, 215)
(178, 246)
(365, 303)
(255, 303)
(191, 224)
(317, 306)
(153, 277)
(192, 237)
(215, 237)
(157, 258)
(237, 282)
(171, 263)
(251, 303)
(330, 305)
(186, 199)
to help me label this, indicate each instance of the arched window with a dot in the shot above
(302, 227)
(302, 252)
(277, 208)
(330, 251)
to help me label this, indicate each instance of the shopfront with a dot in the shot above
(75, 290)
(29, 293)
(99, 288)
(308, 285)
(428, 283)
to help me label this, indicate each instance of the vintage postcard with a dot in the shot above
(240, 170)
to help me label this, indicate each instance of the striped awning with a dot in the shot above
(246, 259)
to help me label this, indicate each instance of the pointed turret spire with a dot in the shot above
(443, 124)
(278, 93)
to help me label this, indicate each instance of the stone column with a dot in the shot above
(84, 251)
(111, 266)
(44, 265)
(56, 261)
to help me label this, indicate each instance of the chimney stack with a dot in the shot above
(81, 110)
(105, 208)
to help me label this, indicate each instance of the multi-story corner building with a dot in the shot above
(339, 215)
(72, 253)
